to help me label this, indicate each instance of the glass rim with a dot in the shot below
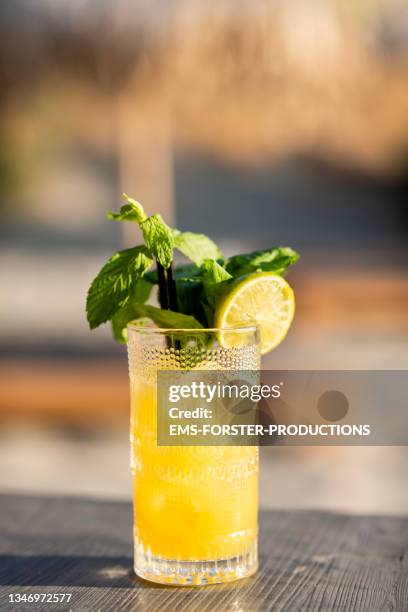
(192, 330)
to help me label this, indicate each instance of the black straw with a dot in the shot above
(171, 286)
(163, 294)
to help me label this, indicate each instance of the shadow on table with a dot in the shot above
(55, 570)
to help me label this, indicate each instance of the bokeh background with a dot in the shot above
(257, 122)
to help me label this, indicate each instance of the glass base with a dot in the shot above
(194, 573)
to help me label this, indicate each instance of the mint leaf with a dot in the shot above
(159, 239)
(127, 312)
(120, 320)
(213, 276)
(196, 247)
(277, 260)
(127, 213)
(112, 287)
(190, 298)
(190, 271)
(142, 291)
(199, 288)
(212, 271)
(132, 211)
(167, 318)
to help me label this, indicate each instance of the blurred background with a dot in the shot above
(259, 122)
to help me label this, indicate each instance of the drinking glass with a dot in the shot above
(195, 507)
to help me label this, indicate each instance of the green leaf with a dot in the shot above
(127, 312)
(212, 271)
(152, 277)
(276, 259)
(159, 239)
(190, 271)
(209, 315)
(112, 287)
(120, 320)
(142, 291)
(190, 298)
(132, 211)
(127, 213)
(196, 247)
(167, 318)
(214, 277)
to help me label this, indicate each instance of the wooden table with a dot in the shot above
(308, 561)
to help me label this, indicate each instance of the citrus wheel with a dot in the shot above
(261, 298)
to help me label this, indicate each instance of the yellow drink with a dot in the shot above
(195, 507)
(191, 502)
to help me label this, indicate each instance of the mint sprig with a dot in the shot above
(187, 293)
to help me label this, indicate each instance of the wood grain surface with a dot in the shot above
(308, 561)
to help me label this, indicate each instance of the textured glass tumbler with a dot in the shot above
(195, 507)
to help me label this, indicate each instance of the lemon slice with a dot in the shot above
(262, 298)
